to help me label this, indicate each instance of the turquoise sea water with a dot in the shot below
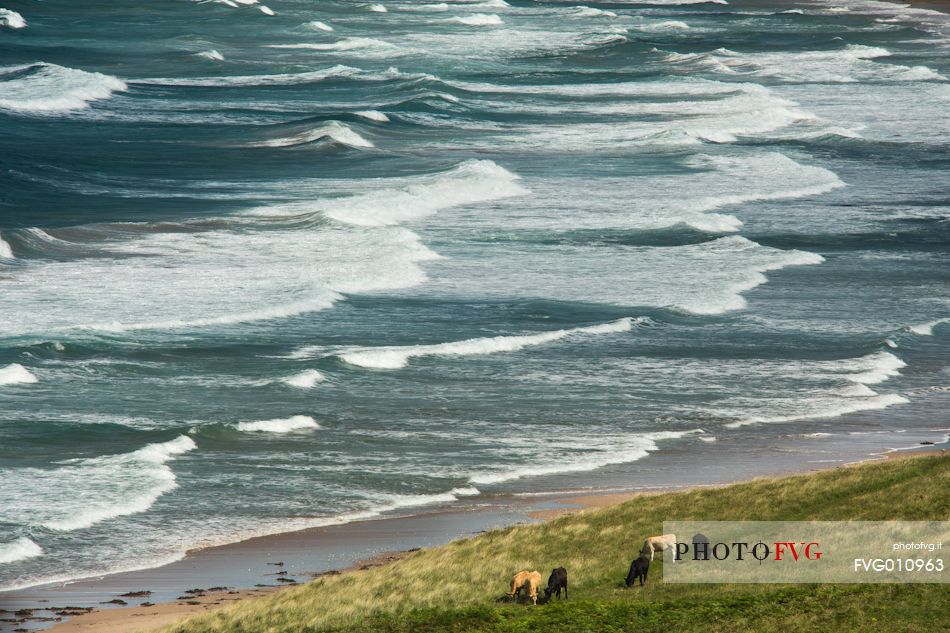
(268, 267)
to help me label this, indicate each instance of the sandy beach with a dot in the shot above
(298, 557)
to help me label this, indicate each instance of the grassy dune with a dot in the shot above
(457, 587)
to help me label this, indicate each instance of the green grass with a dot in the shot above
(458, 587)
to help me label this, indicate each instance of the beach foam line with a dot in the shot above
(20, 549)
(48, 88)
(927, 329)
(332, 130)
(16, 374)
(11, 19)
(279, 425)
(305, 379)
(398, 356)
(611, 451)
(851, 405)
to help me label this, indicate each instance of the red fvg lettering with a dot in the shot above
(790, 547)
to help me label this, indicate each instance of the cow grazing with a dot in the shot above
(556, 581)
(517, 584)
(638, 569)
(533, 585)
(658, 544)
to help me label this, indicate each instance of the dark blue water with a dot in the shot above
(260, 272)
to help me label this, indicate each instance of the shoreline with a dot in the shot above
(176, 591)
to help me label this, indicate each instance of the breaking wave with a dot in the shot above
(47, 88)
(280, 425)
(16, 374)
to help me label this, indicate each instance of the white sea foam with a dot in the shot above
(223, 275)
(11, 19)
(213, 55)
(320, 26)
(591, 12)
(581, 456)
(663, 25)
(78, 493)
(366, 46)
(377, 8)
(477, 19)
(305, 379)
(852, 63)
(266, 10)
(927, 329)
(16, 374)
(373, 115)
(5, 251)
(20, 549)
(470, 182)
(854, 397)
(331, 130)
(48, 88)
(283, 79)
(399, 356)
(280, 425)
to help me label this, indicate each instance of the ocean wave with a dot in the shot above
(852, 63)
(78, 493)
(305, 379)
(198, 279)
(585, 456)
(398, 356)
(320, 26)
(20, 549)
(282, 79)
(373, 115)
(469, 182)
(662, 25)
(279, 425)
(591, 12)
(16, 374)
(5, 251)
(331, 130)
(11, 19)
(927, 329)
(212, 55)
(856, 396)
(343, 44)
(377, 8)
(47, 88)
(477, 19)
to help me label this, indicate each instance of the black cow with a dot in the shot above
(556, 581)
(638, 569)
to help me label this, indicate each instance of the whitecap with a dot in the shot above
(305, 379)
(331, 130)
(927, 329)
(5, 251)
(477, 19)
(213, 55)
(16, 374)
(78, 493)
(373, 115)
(398, 356)
(321, 26)
(377, 8)
(20, 549)
(46, 88)
(11, 19)
(266, 10)
(279, 425)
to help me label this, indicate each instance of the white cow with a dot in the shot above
(658, 544)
